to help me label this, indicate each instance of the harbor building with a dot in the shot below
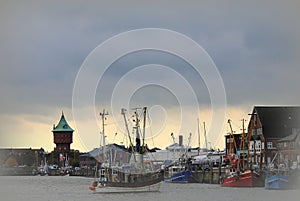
(268, 131)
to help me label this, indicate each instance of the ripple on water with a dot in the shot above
(37, 188)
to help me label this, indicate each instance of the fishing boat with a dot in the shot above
(282, 180)
(278, 178)
(42, 170)
(137, 175)
(248, 178)
(178, 171)
(277, 181)
(177, 174)
(238, 175)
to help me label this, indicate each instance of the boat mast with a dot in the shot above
(205, 135)
(123, 110)
(242, 146)
(173, 138)
(187, 147)
(231, 137)
(198, 137)
(137, 137)
(144, 129)
(103, 114)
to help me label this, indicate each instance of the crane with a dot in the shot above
(231, 141)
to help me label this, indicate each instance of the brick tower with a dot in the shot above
(62, 134)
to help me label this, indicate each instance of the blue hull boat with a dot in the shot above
(179, 177)
(277, 181)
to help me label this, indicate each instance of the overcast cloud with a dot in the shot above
(255, 46)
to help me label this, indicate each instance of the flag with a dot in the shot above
(61, 157)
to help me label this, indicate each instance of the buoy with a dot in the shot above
(91, 187)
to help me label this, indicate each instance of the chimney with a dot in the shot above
(180, 140)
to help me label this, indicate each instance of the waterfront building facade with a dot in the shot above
(267, 125)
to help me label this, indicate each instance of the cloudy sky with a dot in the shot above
(45, 46)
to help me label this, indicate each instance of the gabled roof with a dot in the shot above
(278, 121)
(99, 151)
(295, 136)
(63, 125)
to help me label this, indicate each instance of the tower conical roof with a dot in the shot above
(62, 125)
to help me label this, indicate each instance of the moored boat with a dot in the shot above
(177, 175)
(137, 176)
(277, 181)
(238, 174)
(244, 179)
(117, 181)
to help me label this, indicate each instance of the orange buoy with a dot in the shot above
(91, 187)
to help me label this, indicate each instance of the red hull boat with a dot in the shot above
(244, 179)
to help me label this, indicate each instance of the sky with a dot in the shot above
(52, 58)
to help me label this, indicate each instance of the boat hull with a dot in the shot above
(149, 182)
(283, 181)
(277, 181)
(110, 189)
(180, 177)
(246, 179)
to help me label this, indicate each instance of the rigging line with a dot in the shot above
(115, 137)
(236, 126)
(124, 136)
(151, 164)
(148, 118)
(114, 123)
(81, 143)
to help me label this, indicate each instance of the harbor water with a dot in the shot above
(59, 188)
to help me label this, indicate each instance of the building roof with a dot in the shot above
(99, 151)
(278, 121)
(63, 125)
(295, 136)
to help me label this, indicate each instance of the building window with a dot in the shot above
(279, 145)
(291, 145)
(284, 144)
(251, 147)
(229, 140)
(270, 145)
(257, 145)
